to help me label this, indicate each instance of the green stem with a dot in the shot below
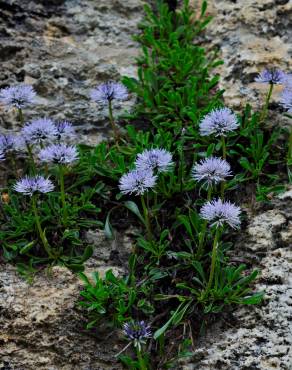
(13, 164)
(31, 159)
(112, 121)
(289, 157)
(146, 218)
(181, 159)
(63, 197)
(204, 229)
(223, 143)
(289, 154)
(141, 360)
(213, 261)
(264, 113)
(224, 155)
(40, 230)
(20, 116)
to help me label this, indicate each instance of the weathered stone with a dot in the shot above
(41, 327)
(64, 50)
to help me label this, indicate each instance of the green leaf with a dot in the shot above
(132, 206)
(175, 319)
(108, 230)
(27, 247)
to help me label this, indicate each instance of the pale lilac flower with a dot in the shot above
(137, 181)
(138, 332)
(286, 99)
(17, 96)
(154, 159)
(59, 154)
(2, 157)
(288, 82)
(39, 131)
(65, 130)
(272, 76)
(211, 170)
(8, 143)
(220, 213)
(109, 91)
(20, 143)
(29, 185)
(218, 122)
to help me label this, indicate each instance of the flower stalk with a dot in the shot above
(213, 260)
(264, 113)
(146, 219)
(63, 195)
(112, 121)
(39, 227)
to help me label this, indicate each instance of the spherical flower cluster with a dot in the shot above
(39, 131)
(109, 91)
(35, 184)
(137, 182)
(65, 131)
(137, 332)
(220, 213)
(154, 159)
(272, 76)
(286, 99)
(17, 96)
(218, 122)
(59, 153)
(211, 170)
(8, 143)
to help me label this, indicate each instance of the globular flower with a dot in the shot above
(65, 130)
(8, 143)
(219, 122)
(154, 159)
(272, 76)
(59, 154)
(109, 91)
(137, 181)
(39, 131)
(220, 213)
(20, 142)
(17, 96)
(137, 332)
(211, 170)
(286, 99)
(29, 185)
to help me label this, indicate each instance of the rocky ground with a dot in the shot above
(64, 48)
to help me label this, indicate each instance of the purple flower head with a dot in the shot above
(35, 184)
(39, 131)
(272, 76)
(8, 143)
(137, 181)
(286, 99)
(154, 159)
(59, 153)
(211, 170)
(220, 213)
(17, 96)
(218, 122)
(288, 81)
(109, 91)
(137, 332)
(65, 131)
